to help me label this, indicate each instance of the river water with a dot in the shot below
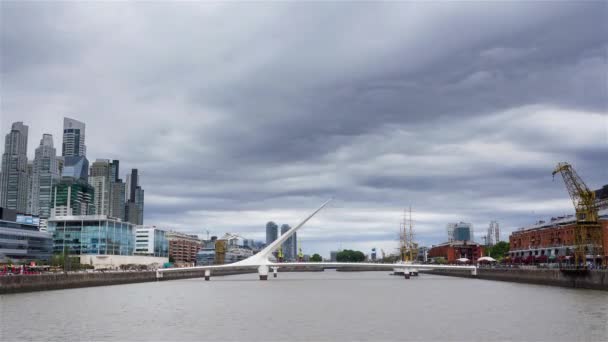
(326, 305)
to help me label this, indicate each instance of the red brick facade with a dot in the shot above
(182, 247)
(555, 240)
(453, 251)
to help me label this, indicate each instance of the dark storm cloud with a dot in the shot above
(236, 114)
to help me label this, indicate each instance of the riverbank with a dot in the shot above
(592, 279)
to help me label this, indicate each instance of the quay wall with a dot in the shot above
(592, 279)
(57, 281)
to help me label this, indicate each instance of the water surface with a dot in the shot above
(326, 305)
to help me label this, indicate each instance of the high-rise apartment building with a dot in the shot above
(271, 232)
(73, 138)
(45, 176)
(14, 180)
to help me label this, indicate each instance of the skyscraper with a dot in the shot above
(45, 176)
(139, 204)
(271, 232)
(100, 179)
(134, 206)
(133, 181)
(73, 138)
(114, 171)
(118, 200)
(14, 181)
(289, 246)
(493, 233)
(30, 177)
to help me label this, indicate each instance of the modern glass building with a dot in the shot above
(462, 232)
(92, 234)
(206, 256)
(22, 243)
(151, 241)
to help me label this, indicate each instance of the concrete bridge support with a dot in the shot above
(263, 272)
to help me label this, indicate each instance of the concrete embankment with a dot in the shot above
(592, 279)
(56, 281)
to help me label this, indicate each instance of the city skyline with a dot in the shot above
(466, 130)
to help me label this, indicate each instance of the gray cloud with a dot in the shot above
(237, 114)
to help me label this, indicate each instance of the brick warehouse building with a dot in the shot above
(550, 241)
(454, 250)
(183, 247)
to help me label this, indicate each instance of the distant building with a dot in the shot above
(423, 254)
(460, 231)
(151, 241)
(452, 251)
(98, 240)
(206, 256)
(271, 232)
(117, 208)
(45, 177)
(22, 243)
(134, 206)
(333, 256)
(183, 247)
(73, 138)
(14, 180)
(493, 236)
(290, 248)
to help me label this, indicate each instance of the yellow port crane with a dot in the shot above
(588, 233)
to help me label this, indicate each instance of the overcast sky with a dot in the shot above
(237, 114)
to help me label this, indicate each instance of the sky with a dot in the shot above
(240, 113)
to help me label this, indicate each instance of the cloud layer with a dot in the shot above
(237, 114)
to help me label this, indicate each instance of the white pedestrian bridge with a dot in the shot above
(262, 261)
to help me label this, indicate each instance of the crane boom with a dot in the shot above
(588, 233)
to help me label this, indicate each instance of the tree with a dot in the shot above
(349, 255)
(499, 250)
(171, 259)
(316, 258)
(440, 260)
